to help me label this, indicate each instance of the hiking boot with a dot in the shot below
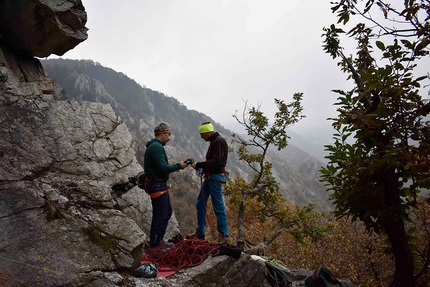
(195, 235)
(222, 240)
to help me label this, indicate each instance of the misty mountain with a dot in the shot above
(312, 141)
(141, 108)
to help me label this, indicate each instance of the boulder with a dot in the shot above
(42, 27)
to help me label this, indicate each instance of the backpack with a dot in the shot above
(141, 181)
(321, 277)
(277, 274)
(124, 187)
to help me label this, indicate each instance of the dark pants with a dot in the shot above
(161, 213)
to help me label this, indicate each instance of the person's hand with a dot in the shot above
(183, 165)
(194, 165)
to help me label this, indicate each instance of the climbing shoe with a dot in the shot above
(195, 235)
(222, 240)
(160, 248)
(167, 244)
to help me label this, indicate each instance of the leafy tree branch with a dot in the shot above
(379, 160)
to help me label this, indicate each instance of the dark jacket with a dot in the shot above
(216, 156)
(155, 161)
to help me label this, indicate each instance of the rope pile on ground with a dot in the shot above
(185, 254)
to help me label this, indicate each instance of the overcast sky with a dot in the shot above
(214, 55)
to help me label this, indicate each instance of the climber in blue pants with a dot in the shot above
(213, 172)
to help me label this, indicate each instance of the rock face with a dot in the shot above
(60, 224)
(59, 161)
(42, 27)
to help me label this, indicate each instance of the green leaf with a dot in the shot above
(380, 45)
(407, 44)
(421, 78)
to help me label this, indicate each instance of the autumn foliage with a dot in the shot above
(345, 247)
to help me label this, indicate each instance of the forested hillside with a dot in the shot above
(142, 108)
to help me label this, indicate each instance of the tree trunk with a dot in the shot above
(241, 221)
(394, 227)
(404, 273)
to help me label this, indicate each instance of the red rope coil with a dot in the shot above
(185, 254)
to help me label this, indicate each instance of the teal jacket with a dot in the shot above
(155, 161)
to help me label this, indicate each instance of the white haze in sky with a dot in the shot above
(214, 55)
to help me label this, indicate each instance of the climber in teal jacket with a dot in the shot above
(157, 170)
(156, 164)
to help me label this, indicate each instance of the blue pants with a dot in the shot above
(212, 188)
(161, 213)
